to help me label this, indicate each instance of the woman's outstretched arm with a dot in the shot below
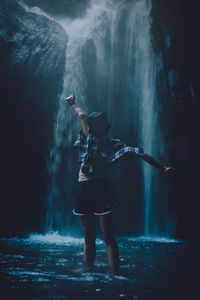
(149, 159)
(81, 115)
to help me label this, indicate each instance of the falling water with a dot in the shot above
(110, 65)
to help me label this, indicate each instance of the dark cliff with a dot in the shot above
(175, 39)
(32, 61)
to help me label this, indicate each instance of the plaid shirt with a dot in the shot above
(111, 149)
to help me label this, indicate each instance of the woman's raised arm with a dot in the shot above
(82, 116)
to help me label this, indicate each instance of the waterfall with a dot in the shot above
(145, 93)
(110, 65)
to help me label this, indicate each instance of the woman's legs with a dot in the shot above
(107, 229)
(89, 229)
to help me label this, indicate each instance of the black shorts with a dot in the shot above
(94, 197)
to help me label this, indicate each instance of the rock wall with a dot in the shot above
(175, 40)
(32, 60)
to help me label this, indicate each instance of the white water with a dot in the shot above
(55, 238)
(113, 42)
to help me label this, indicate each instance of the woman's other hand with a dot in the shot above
(169, 170)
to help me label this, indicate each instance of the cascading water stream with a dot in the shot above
(111, 66)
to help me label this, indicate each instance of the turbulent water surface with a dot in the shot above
(43, 267)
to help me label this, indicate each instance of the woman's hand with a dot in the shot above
(70, 100)
(169, 170)
(82, 116)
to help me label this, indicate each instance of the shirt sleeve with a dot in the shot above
(122, 151)
(116, 144)
(80, 141)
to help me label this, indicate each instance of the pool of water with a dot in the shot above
(42, 267)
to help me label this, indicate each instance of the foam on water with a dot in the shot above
(153, 239)
(55, 238)
(49, 239)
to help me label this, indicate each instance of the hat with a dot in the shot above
(98, 120)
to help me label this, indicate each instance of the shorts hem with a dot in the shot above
(92, 213)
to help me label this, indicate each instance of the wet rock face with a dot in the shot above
(176, 42)
(61, 8)
(32, 51)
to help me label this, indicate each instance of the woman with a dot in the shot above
(97, 150)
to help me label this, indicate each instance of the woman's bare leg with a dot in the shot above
(107, 229)
(89, 229)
